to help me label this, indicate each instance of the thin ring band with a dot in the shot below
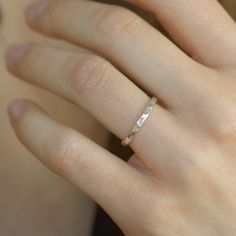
(138, 125)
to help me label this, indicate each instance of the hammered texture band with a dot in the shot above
(126, 141)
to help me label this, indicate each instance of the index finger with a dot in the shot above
(201, 27)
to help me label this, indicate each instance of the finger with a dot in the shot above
(62, 45)
(108, 95)
(139, 50)
(138, 164)
(201, 27)
(108, 180)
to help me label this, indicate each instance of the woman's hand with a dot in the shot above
(181, 179)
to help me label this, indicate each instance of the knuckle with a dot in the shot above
(115, 23)
(89, 75)
(65, 152)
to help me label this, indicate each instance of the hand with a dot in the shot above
(181, 179)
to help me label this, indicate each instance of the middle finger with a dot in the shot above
(138, 49)
(92, 82)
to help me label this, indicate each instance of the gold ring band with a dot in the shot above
(138, 125)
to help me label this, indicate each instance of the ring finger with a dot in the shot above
(93, 83)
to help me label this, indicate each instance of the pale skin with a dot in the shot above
(181, 179)
(33, 200)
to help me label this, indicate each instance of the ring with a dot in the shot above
(138, 125)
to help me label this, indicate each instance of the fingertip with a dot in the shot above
(17, 108)
(15, 53)
(34, 10)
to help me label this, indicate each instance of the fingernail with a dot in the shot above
(15, 52)
(17, 108)
(35, 9)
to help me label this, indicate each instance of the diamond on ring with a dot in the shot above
(138, 125)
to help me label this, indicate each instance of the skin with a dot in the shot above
(181, 179)
(33, 200)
